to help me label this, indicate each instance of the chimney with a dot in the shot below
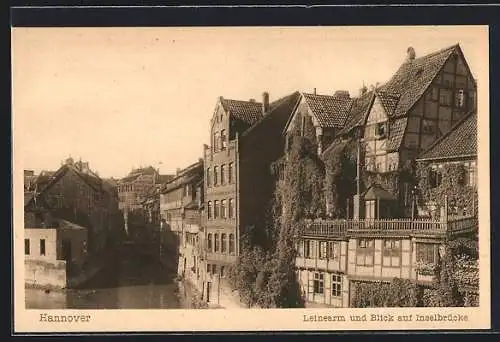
(265, 102)
(314, 91)
(410, 53)
(251, 100)
(177, 171)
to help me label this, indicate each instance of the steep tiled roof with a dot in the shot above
(396, 133)
(389, 101)
(247, 111)
(279, 113)
(330, 111)
(460, 141)
(414, 77)
(357, 113)
(47, 182)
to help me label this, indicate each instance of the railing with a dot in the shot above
(342, 228)
(463, 224)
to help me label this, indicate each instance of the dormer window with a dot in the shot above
(380, 130)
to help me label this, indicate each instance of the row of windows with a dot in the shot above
(221, 209)
(365, 251)
(322, 249)
(27, 249)
(220, 243)
(218, 175)
(469, 176)
(318, 284)
(219, 141)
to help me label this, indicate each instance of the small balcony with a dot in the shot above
(390, 227)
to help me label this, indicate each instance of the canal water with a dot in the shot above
(127, 284)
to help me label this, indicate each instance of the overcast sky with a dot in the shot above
(129, 97)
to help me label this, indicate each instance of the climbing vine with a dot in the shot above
(458, 276)
(264, 274)
(397, 293)
(340, 178)
(448, 181)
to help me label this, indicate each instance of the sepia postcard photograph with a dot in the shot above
(250, 178)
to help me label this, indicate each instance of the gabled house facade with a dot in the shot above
(246, 139)
(419, 104)
(323, 114)
(424, 115)
(80, 197)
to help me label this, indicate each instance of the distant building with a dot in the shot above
(136, 188)
(77, 195)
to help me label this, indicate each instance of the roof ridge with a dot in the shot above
(431, 54)
(282, 99)
(457, 124)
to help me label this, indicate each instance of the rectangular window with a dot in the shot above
(209, 268)
(365, 252)
(27, 246)
(460, 99)
(307, 248)
(223, 238)
(230, 173)
(435, 176)
(222, 271)
(380, 130)
(223, 212)
(319, 283)
(322, 249)
(427, 253)
(209, 242)
(214, 269)
(216, 173)
(336, 285)
(208, 178)
(231, 208)
(223, 139)
(216, 209)
(391, 253)
(333, 250)
(231, 244)
(216, 243)
(209, 210)
(42, 246)
(222, 174)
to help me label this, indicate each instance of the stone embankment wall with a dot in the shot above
(48, 274)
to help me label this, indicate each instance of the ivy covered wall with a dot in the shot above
(439, 180)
